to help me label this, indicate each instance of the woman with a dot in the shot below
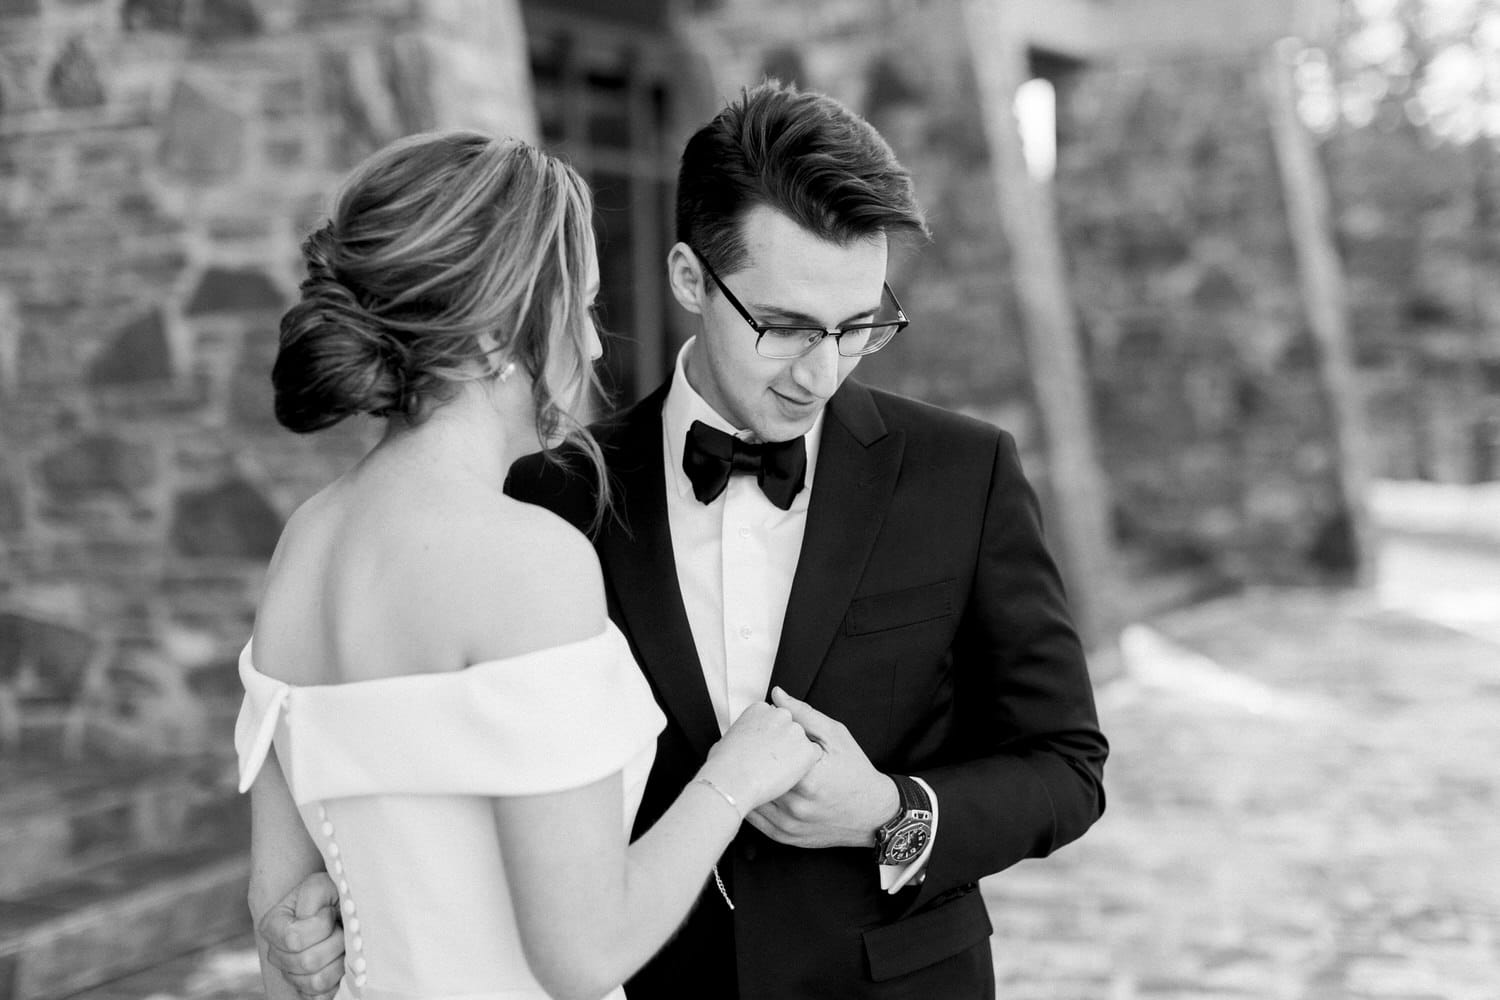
(437, 709)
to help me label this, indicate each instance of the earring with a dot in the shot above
(507, 371)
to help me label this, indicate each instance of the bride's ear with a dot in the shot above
(685, 278)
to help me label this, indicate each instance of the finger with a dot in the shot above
(292, 939)
(322, 983)
(819, 727)
(321, 963)
(313, 894)
(758, 820)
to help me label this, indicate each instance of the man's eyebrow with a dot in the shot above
(761, 310)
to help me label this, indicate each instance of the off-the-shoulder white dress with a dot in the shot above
(392, 778)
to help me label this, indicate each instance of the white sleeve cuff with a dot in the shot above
(893, 878)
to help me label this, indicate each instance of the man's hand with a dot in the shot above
(840, 802)
(304, 940)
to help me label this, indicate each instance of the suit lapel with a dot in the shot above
(642, 572)
(858, 462)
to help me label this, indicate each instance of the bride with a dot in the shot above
(437, 709)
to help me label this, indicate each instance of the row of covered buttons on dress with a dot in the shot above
(354, 944)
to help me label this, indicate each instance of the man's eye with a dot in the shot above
(792, 332)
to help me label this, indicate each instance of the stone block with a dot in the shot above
(99, 463)
(283, 99)
(152, 15)
(18, 8)
(137, 352)
(231, 520)
(144, 217)
(42, 659)
(227, 19)
(88, 832)
(216, 681)
(202, 141)
(286, 152)
(73, 81)
(226, 290)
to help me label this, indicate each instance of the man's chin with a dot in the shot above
(785, 430)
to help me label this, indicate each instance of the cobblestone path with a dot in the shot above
(1304, 803)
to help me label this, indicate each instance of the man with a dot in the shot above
(883, 562)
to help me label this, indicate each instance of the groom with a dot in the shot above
(878, 558)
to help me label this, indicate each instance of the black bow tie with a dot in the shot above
(710, 457)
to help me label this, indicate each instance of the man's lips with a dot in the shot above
(791, 401)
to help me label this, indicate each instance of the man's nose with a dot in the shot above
(817, 371)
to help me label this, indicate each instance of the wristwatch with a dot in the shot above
(904, 836)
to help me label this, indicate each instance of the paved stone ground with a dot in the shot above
(1304, 804)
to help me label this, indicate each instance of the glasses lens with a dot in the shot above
(867, 340)
(788, 341)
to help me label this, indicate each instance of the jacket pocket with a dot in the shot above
(896, 608)
(927, 937)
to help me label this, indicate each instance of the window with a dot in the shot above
(604, 100)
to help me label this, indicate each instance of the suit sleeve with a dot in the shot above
(1026, 772)
(561, 483)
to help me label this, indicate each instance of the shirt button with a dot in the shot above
(359, 963)
(343, 886)
(359, 980)
(352, 925)
(348, 907)
(327, 829)
(744, 531)
(746, 632)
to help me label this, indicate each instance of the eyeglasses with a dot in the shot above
(854, 340)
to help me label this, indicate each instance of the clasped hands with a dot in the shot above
(840, 801)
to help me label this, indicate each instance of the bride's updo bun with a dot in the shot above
(447, 257)
(336, 359)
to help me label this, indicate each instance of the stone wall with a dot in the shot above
(159, 163)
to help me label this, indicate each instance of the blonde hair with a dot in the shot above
(434, 242)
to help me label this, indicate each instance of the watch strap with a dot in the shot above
(913, 796)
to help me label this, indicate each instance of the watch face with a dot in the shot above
(906, 843)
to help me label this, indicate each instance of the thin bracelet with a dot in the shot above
(718, 881)
(727, 797)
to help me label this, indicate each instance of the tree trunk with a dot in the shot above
(1320, 276)
(1079, 492)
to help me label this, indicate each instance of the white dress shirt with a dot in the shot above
(735, 561)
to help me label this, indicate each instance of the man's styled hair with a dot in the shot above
(800, 153)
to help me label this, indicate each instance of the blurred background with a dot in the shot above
(1229, 271)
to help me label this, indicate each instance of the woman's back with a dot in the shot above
(393, 739)
(395, 570)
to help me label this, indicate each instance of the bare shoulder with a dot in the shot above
(524, 579)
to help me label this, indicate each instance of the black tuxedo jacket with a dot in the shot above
(927, 616)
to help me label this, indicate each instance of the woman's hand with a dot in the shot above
(762, 755)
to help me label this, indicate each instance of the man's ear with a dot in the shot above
(686, 279)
